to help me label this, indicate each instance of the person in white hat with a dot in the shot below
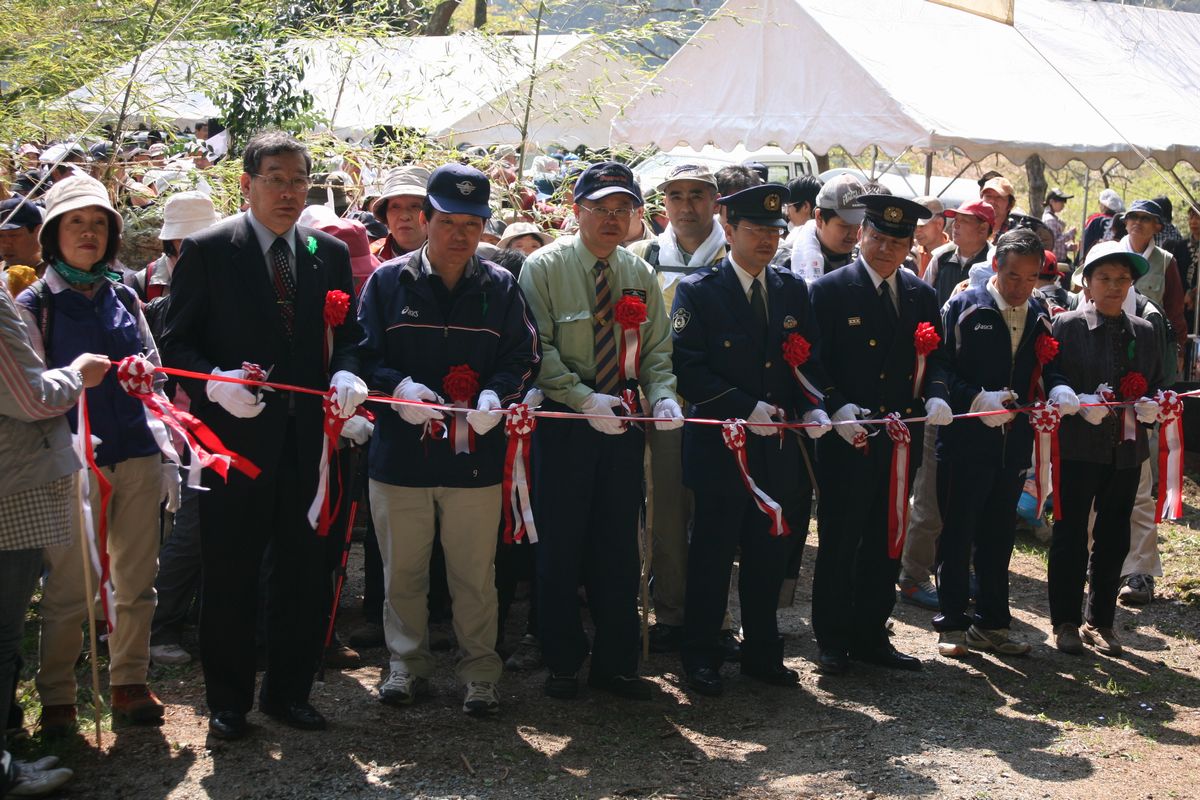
(185, 213)
(399, 207)
(1098, 227)
(79, 305)
(524, 236)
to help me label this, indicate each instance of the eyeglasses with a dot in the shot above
(761, 231)
(275, 184)
(611, 213)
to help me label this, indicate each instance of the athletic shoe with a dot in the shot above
(481, 699)
(169, 654)
(1066, 638)
(527, 657)
(996, 639)
(1103, 639)
(1137, 590)
(923, 594)
(401, 688)
(33, 782)
(951, 644)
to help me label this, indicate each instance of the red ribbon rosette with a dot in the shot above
(734, 434)
(901, 438)
(517, 508)
(461, 384)
(1132, 387)
(1045, 348)
(1045, 420)
(796, 352)
(925, 341)
(337, 305)
(630, 313)
(1170, 456)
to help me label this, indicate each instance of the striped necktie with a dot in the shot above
(285, 284)
(604, 334)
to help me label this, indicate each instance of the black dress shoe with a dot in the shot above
(774, 674)
(630, 687)
(301, 716)
(832, 662)
(706, 681)
(731, 648)
(890, 657)
(665, 638)
(228, 725)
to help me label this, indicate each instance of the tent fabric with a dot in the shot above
(465, 87)
(913, 74)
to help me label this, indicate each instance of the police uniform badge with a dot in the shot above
(893, 214)
(638, 293)
(680, 319)
(789, 322)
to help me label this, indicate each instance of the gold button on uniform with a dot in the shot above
(727, 344)
(870, 342)
(767, 365)
(882, 376)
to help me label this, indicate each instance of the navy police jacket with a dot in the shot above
(406, 335)
(724, 371)
(977, 356)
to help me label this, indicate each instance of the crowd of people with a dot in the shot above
(696, 361)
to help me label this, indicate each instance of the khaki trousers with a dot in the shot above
(133, 562)
(469, 520)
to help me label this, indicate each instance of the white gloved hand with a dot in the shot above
(603, 405)
(845, 422)
(763, 413)
(486, 414)
(994, 401)
(171, 484)
(1066, 400)
(358, 430)
(937, 412)
(534, 397)
(1146, 410)
(414, 414)
(234, 397)
(351, 393)
(820, 420)
(670, 413)
(1093, 414)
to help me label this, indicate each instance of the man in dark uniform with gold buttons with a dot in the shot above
(731, 325)
(868, 313)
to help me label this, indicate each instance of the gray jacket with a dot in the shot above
(35, 440)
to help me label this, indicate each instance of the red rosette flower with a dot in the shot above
(1133, 385)
(926, 339)
(630, 311)
(337, 304)
(796, 350)
(461, 383)
(1045, 348)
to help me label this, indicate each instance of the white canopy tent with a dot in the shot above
(1070, 80)
(466, 87)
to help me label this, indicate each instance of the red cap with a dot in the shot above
(975, 208)
(1049, 266)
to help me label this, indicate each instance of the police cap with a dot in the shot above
(761, 204)
(893, 216)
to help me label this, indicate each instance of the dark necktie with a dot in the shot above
(285, 284)
(758, 308)
(889, 302)
(604, 334)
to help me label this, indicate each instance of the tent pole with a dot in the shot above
(928, 170)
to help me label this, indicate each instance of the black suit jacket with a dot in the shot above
(223, 312)
(724, 371)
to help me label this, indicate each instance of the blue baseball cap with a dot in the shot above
(459, 189)
(607, 177)
(26, 215)
(1148, 207)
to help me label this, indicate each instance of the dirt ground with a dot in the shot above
(1043, 726)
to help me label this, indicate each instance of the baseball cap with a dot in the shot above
(1000, 185)
(975, 208)
(689, 172)
(1058, 194)
(1049, 265)
(1112, 201)
(25, 215)
(936, 209)
(459, 189)
(841, 196)
(606, 178)
(1146, 207)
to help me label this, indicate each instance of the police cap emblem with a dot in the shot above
(893, 214)
(773, 202)
(465, 188)
(789, 322)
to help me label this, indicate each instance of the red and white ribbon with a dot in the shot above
(901, 438)
(925, 340)
(631, 406)
(631, 352)
(1170, 456)
(325, 505)
(1045, 420)
(734, 433)
(517, 508)
(96, 535)
(462, 435)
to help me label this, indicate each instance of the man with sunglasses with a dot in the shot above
(588, 473)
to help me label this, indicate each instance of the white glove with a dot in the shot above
(170, 486)
(670, 413)
(994, 401)
(603, 405)
(413, 414)
(234, 397)
(351, 392)
(486, 414)
(763, 413)
(534, 397)
(1146, 410)
(1066, 400)
(845, 422)
(818, 418)
(1095, 414)
(937, 412)
(358, 430)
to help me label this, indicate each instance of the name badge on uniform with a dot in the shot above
(638, 293)
(789, 322)
(852, 321)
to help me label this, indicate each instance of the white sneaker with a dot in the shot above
(952, 644)
(169, 654)
(32, 782)
(481, 699)
(401, 688)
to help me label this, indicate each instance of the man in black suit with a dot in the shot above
(734, 326)
(868, 313)
(253, 289)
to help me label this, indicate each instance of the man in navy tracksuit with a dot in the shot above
(443, 326)
(989, 355)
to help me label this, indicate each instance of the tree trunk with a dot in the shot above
(439, 20)
(480, 13)
(822, 162)
(1035, 170)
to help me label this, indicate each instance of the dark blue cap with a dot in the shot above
(1145, 207)
(459, 189)
(892, 215)
(607, 177)
(26, 215)
(761, 204)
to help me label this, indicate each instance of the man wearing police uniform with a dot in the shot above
(868, 313)
(730, 323)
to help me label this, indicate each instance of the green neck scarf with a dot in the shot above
(83, 277)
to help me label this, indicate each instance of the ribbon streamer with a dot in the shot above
(518, 510)
(734, 433)
(1045, 420)
(1170, 456)
(325, 505)
(96, 535)
(901, 438)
